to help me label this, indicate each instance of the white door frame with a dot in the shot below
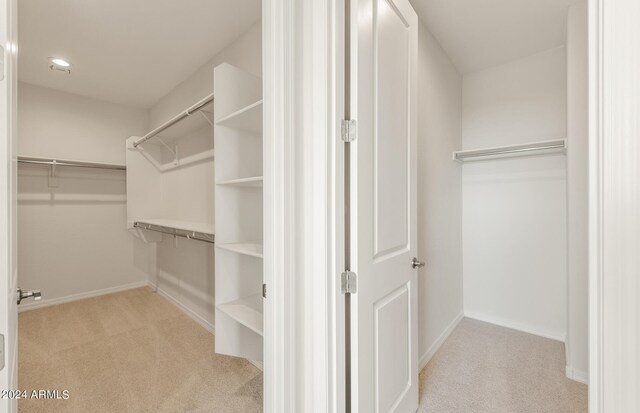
(8, 205)
(595, 271)
(303, 51)
(614, 206)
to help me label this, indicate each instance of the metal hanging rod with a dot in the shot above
(182, 115)
(559, 145)
(67, 162)
(193, 235)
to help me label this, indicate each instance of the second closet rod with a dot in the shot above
(182, 115)
(67, 162)
(170, 231)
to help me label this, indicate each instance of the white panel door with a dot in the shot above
(8, 206)
(384, 376)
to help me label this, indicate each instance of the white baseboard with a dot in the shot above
(258, 364)
(577, 375)
(515, 326)
(195, 317)
(81, 296)
(428, 355)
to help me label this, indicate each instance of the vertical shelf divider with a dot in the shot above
(238, 213)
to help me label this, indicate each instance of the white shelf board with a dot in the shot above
(248, 118)
(246, 311)
(253, 250)
(254, 181)
(200, 227)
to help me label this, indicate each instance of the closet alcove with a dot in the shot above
(140, 204)
(176, 187)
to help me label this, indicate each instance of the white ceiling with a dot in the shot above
(478, 34)
(131, 52)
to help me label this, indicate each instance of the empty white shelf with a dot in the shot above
(246, 311)
(200, 227)
(248, 118)
(253, 250)
(254, 181)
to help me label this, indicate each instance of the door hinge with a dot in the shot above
(349, 284)
(264, 290)
(349, 130)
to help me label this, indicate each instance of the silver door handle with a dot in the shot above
(36, 294)
(415, 263)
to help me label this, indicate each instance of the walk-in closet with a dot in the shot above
(140, 205)
(410, 176)
(503, 152)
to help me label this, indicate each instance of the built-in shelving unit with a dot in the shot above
(170, 177)
(238, 215)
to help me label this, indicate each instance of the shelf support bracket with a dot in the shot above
(206, 117)
(173, 150)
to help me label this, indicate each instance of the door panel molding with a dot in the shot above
(383, 206)
(385, 244)
(399, 294)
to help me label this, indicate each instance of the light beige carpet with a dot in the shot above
(486, 368)
(131, 351)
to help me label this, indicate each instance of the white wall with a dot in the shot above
(439, 195)
(245, 53)
(577, 193)
(514, 210)
(73, 239)
(185, 271)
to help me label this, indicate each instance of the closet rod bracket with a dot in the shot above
(173, 150)
(202, 112)
(53, 178)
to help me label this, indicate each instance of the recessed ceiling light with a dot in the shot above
(58, 64)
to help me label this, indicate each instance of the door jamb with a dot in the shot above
(614, 199)
(303, 50)
(595, 210)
